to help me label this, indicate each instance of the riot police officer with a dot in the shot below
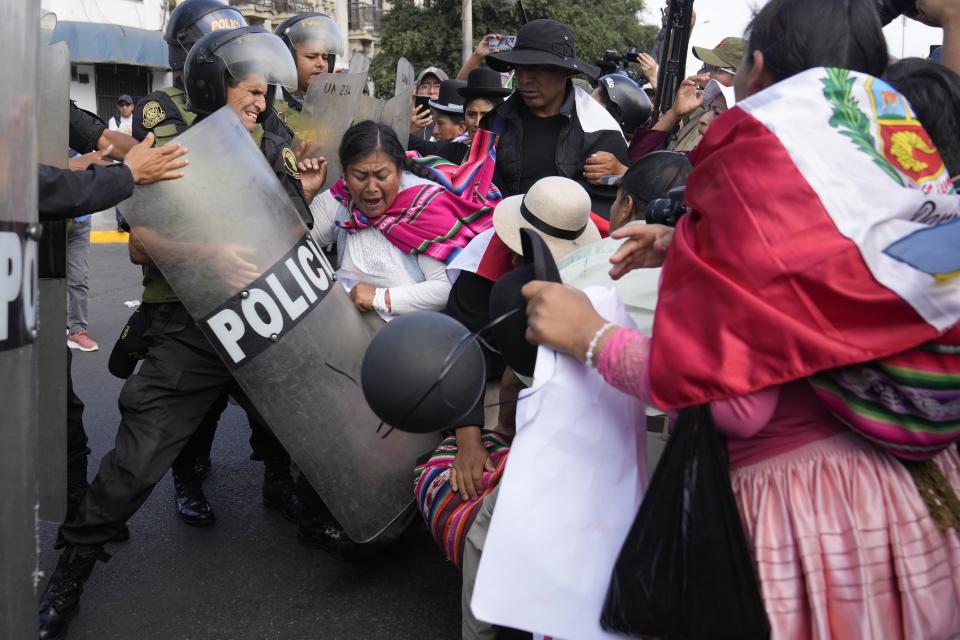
(164, 111)
(165, 114)
(315, 41)
(182, 377)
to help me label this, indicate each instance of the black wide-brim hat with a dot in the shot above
(449, 99)
(546, 42)
(483, 82)
(505, 297)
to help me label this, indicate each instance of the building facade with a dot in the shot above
(117, 45)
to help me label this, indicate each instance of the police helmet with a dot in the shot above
(193, 19)
(625, 101)
(237, 55)
(316, 29)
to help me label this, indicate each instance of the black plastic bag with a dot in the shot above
(685, 572)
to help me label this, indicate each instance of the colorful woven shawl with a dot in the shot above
(439, 219)
(907, 404)
(446, 514)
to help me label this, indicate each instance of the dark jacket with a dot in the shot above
(590, 129)
(85, 129)
(69, 194)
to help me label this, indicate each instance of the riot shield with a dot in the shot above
(328, 110)
(396, 113)
(369, 108)
(291, 338)
(359, 63)
(18, 307)
(53, 139)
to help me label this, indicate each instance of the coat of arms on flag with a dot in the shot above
(904, 149)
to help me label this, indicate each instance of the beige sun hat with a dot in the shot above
(557, 209)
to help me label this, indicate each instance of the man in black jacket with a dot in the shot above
(548, 127)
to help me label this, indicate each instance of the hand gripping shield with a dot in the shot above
(53, 140)
(287, 332)
(18, 320)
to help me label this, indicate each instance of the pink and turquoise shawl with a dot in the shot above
(438, 219)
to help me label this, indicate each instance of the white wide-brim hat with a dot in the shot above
(556, 209)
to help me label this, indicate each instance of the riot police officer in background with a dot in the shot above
(182, 377)
(315, 41)
(165, 114)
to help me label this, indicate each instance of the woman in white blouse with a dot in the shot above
(394, 229)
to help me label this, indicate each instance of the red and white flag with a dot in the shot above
(803, 196)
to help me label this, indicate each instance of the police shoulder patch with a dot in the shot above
(290, 162)
(153, 114)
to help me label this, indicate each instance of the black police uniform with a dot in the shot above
(164, 114)
(167, 399)
(85, 129)
(67, 194)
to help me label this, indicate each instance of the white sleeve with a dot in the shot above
(112, 124)
(429, 295)
(324, 209)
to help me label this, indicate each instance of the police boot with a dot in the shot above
(279, 493)
(321, 532)
(62, 595)
(75, 494)
(192, 505)
(201, 467)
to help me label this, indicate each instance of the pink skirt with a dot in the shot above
(845, 547)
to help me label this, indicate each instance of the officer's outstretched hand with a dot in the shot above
(149, 164)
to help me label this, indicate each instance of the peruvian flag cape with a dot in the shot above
(810, 200)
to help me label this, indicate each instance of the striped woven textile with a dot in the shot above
(446, 514)
(473, 179)
(907, 404)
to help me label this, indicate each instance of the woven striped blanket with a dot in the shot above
(446, 514)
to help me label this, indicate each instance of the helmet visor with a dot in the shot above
(226, 18)
(316, 31)
(261, 57)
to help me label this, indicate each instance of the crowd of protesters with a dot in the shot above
(783, 291)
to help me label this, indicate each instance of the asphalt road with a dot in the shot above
(246, 576)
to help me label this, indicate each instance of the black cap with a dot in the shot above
(543, 42)
(655, 174)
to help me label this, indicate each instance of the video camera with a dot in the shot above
(668, 210)
(890, 10)
(613, 62)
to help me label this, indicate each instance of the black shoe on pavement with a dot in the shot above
(62, 595)
(279, 493)
(325, 533)
(191, 504)
(201, 467)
